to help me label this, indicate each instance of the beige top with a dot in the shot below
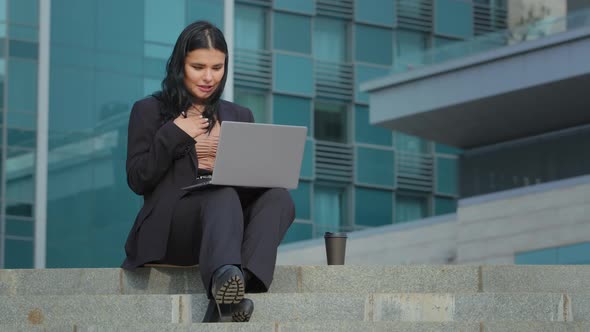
(206, 147)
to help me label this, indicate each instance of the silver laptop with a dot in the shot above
(256, 155)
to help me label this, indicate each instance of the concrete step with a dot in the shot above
(309, 307)
(315, 327)
(307, 279)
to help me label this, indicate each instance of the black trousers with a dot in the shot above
(227, 225)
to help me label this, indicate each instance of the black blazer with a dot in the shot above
(161, 158)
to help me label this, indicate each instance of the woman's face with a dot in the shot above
(203, 71)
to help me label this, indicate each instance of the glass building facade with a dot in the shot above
(295, 62)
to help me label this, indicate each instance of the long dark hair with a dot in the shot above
(175, 97)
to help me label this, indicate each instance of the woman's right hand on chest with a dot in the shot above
(192, 125)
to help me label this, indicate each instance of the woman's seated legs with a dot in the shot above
(268, 215)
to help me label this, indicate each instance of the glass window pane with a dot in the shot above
(330, 122)
(307, 162)
(447, 177)
(23, 49)
(210, 10)
(408, 143)
(373, 207)
(302, 6)
(374, 45)
(19, 254)
(376, 11)
(367, 133)
(365, 73)
(19, 209)
(164, 20)
(293, 74)
(574, 254)
(24, 11)
(409, 208)
(453, 18)
(292, 111)
(329, 209)
(119, 28)
(374, 166)
(250, 27)
(537, 257)
(23, 120)
(73, 23)
(21, 137)
(292, 32)
(410, 46)
(298, 232)
(22, 88)
(255, 101)
(20, 227)
(301, 198)
(443, 205)
(330, 40)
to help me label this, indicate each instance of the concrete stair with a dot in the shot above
(305, 298)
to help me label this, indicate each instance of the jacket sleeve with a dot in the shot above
(151, 147)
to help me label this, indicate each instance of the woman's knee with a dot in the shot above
(223, 197)
(282, 198)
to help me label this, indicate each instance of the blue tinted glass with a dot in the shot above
(442, 148)
(409, 143)
(367, 133)
(22, 90)
(374, 166)
(408, 208)
(307, 162)
(19, 185)
(24, 11)
(210, 10)
(19, 254)
(3, 10)
(443, 205)
(537, 257)
(250, 27)
(255, 101)
(65, 107)
(574, 254)
(328, 208)
(292, 32)
(293, 74)
(375, 11)
(302, 6)
(373, 207)
(410, 46)
(24, 32)
(330, 40)
(453, 18)
(298, 232)
(119, 27)
(121, 63)
(114, 95)
(21, 137)
(447, 180)
(292, 111)
(23, 49)
(73, 23)
(366, 73)
(373, 44)
(301, 198)
(164, 20)
(19, 227)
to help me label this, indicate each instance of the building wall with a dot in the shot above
(528, 225)
(296, 62)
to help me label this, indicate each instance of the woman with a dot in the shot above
(232, 233)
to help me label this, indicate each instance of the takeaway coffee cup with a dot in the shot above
(335, 247)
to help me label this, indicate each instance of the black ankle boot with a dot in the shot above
(227, 288)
